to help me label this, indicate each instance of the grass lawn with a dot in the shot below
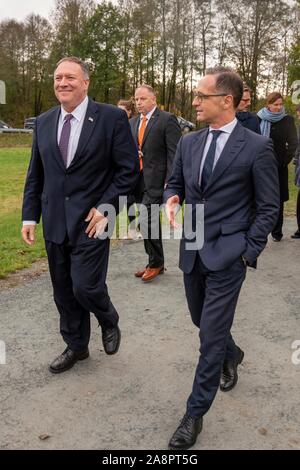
(15, 140)
(14, 254)
(290, 206)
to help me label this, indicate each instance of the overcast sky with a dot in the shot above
(19, 9)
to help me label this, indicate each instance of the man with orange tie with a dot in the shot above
(157, 134)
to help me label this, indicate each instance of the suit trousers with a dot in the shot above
(150, 225)
(78, 275)
(212, 297)
(298, 210)
(277, 230)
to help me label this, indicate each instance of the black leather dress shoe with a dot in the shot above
(296, 234)
(111, 338)
(187, 432)
(229, 375)
(67, 360)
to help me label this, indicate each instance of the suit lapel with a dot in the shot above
(152, 120)
(136, 127)
(88, 127)
(233, 146)
(197, 153)
(54, 125)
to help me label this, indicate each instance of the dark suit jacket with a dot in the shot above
(284, 136)
(241, 199)
(159, 146)
(105, 166)
(297, 159)
(249, 120)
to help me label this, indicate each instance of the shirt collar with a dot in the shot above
(228, 128)
(149, 115)
(79, 112)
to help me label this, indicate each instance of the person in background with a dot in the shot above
(133, 234)
(247, 119)
(128, 106)
(297, 176)
(156, 133)
(280, 127)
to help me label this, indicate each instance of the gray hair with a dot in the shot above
(147, 87)
(81, 63)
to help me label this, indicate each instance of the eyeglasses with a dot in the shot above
(202, 96)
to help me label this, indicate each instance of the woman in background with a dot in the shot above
(129, 107)
(280, 127)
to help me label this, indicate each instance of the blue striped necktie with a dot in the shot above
(209, 160)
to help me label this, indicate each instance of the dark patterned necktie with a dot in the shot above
(65, 137)
(209, 160)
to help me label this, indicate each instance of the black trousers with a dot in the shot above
(150, 226)
(129, 205)
(78, 275)
(277, 230)
(212, 298)
(298, 210)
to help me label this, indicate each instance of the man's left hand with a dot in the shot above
(97, 223)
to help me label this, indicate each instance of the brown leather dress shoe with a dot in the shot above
(151, 273)
(141, 272)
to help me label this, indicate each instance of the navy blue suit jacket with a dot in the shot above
(249, 120)
(104, 167)
(241, 199)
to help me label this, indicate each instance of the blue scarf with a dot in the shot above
(267, 117)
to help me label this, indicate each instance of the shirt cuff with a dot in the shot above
(29, 222)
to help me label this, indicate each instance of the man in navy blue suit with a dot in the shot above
(231, 173)
(246, 118)
(83, 158)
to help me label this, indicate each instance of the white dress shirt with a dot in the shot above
(148, 116)
(221, 142)
(76, 128)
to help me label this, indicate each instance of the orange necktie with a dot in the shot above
(140, 138)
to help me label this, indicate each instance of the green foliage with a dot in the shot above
(294, 63)
(165, 43)
(101, 42)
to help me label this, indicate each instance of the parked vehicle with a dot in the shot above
(186, 126)
(3, 125)
(29, 123)
(6, 129)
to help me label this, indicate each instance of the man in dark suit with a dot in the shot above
(83, 158)
(231, 174)
(246, 118)
(156, 133)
